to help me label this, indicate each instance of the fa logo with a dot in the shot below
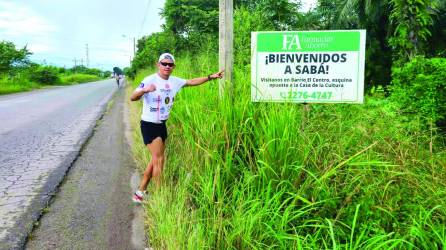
(291, 42)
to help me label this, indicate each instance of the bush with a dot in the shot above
(419, 87)
(79, 78)
(45, 75)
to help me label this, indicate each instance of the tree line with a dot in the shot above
(19, 73)
(399, 33)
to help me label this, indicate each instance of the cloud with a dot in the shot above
(39, 48)
(53, 30)
(19, 20)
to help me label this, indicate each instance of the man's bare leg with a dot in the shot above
(157, 150)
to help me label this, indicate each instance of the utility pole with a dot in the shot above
(134, 45)
(86, 48)
(75, 64)
(226, 38)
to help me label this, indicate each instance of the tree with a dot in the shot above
(117, 70)
(361, 14)
(186, 16)
(10, 57)
(412, 20)
(150, 47)
(284, 14)
(195, 22)
(437, 43)
(129, 72)
(79, 69)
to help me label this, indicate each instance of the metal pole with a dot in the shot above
(86, 47)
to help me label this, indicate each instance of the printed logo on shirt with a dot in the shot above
(167, 86)
(162, 110)
(141, 85)
(156, 99)
(153, 109)
(167, 100)
(165, 90)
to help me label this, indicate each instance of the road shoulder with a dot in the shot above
(93, 209)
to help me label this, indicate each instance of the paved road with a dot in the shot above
(41, 133)
(93, 208)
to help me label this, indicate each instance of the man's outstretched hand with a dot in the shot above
(217, 75)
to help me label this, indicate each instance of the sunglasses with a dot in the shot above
(167, 64)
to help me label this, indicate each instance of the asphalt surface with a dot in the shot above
(93, 208)
(41, 134)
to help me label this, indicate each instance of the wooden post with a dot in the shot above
(226, 38)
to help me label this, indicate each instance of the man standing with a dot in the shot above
(158, 92)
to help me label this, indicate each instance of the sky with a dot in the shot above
(58, 32)
(308, 4)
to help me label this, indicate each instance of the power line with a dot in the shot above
(144, 18)
(57, 39)
(111, 49)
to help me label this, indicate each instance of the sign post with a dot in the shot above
(308, 66)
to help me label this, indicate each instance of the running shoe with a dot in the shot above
(138, 197)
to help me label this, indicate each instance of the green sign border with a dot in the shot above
(354, 35)
(312, 41)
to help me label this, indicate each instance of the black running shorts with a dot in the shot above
(150, 131)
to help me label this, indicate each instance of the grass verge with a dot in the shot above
(14, 85)
(21, 84)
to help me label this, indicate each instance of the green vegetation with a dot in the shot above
(18, 74)
(257, 175)
(45, 75)
(16, 84)
(420, 86)
(11, 57)
(80, 78)
(242, 175)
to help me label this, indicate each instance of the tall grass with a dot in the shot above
(79, 78)
(15, 84)
(242, 175)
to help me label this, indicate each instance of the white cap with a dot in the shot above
(166, 56)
